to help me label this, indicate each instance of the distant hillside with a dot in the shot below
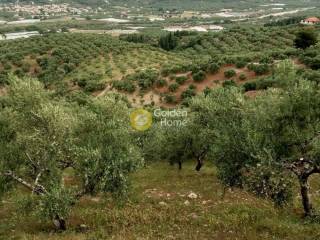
(84, 2)
(216, 4)
(181, 4)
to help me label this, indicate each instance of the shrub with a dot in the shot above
(161, 82)
(165, 71)
(213, 68)
(261, 84)
(3, 78)
(242, 77)
(7, 66)
(190, 92)
(314, 63)
(259, 69)
(241, 64)
(250, 86)
(194, 68)
(92, 86)
(230, 73)
(169, 98)
(145, 79)
(266, 60)
(19, 72)
(265, 83)
(207, 91)
(191, 86)
(125, 85)
(311, 75)
(270, 183)
(26, 67)
(199, 76)
(181, 80)
(173, 87)
(229, 83)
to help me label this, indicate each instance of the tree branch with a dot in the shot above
(18, 179)
(38, 189)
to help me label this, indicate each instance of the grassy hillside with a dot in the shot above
(160, 207)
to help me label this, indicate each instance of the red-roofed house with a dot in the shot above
(311, 21)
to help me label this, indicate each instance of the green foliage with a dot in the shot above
(255, 134)
(250, 86)
(239, 43)
(173, 87)
(145, 79)
(269, 182)
(168, 42)
(230, 73)
(137, 38)
(241, 64)
(286, 21)
(213, 68)
(124, 85)
(161, 82)
(229, 83)
(306, 38)
(90, 82)
(242, 77)
(225, 116)
(181, 79)
(190, 92)
(58, 202)
(259, 69)
(52, 135)
(199, 76)
(170, 98)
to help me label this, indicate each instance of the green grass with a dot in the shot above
(157, 209)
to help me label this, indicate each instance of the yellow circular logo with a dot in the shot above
(141, 119)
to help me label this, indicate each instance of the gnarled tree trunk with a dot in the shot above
(303, 169)
(304, 190)
(199, 164)
(60, 223)
(37, 189)
(180, 164)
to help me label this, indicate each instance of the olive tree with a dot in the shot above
(42, 136)
(37, 145)
(294, 125)
(222, 114)
(176, 143)
(107, 151)
(261, 143)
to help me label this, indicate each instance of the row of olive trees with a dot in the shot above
(258, 144)
(41, 137)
